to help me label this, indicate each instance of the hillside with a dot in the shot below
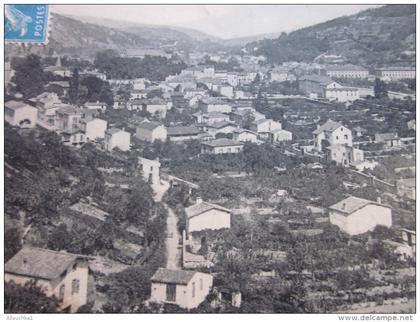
(384, 35)
(74, 36)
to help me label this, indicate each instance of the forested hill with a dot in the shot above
(384, 35)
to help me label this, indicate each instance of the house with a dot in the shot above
(344, 155)
(395, 73)
(68, 117)
(182, 133)
(210, 118)
(342, 94)
(61, 274)
(186, 289)
(318, 86)
(407, 188)
(96, 106)
(150, 170)
(331, 133)
(221, 146)
(390, 139)
(209, 105)
(345, 71)
(243, 135)
(409, 238)
(265, 126)
(20, 114)
(151, 131)
(47, 104)
(73, 137)
(207, 216)
(218, 127)
(280, 135)
(93, 128)
(357, 216)
(116, 138)
(156, 106)
(280, 74)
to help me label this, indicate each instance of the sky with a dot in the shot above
(224, 21)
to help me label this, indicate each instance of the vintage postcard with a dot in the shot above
(210, 159)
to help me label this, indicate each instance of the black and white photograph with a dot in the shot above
(209, 159)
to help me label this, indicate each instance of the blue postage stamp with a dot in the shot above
(26, 23)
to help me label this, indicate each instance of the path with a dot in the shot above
(173, 253)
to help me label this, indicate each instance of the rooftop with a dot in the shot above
(39, 263)
(345, 68)
(328, 126)
(323, 80)
(352, 204)
(182, 130)
(174, 276)
(202, 207)
(149, 125)
(221, 143)
(15, 105)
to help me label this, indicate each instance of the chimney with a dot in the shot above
(379, 200)
(198, 200)
(344, 206)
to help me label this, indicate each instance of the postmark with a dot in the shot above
(26, 23)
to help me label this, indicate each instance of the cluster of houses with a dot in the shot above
(75, 125)
(223, 124)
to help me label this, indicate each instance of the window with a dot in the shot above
(336, 137)
(346, 136)
(193, 289)
(201, 284)
(75, 286)
(74, 267)
(61, 293)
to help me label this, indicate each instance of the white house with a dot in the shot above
(151, 131)
(221, 146)
(94, 128)
(150, 169)
(209, 105)
(183, 133)
(116, 138)
(357, 216)
(20, 114)
(265, 126)
(186, 289)
(332, 132)
(243, 135)
(207, 216)
(279, 135)
(56, 273)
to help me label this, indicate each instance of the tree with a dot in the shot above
(380, 89)
(29, 76)
(12, 243)
(74, 88)
(28, 299)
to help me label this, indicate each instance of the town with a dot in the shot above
(150, 180)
